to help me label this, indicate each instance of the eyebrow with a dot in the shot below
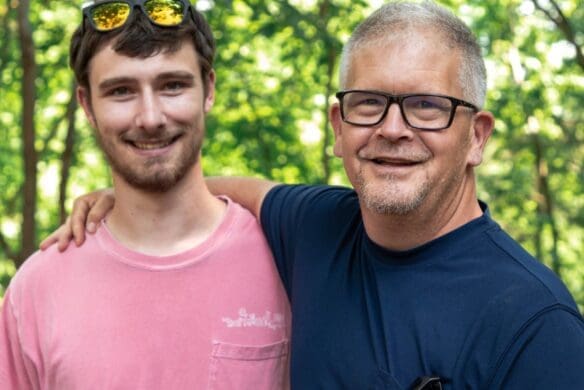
(181, 75)
(109, 83)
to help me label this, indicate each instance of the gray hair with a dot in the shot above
(405, 17)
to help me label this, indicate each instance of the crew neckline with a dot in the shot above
(133, 258)
(425, 253)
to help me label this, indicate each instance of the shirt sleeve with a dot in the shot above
(548, 353)
(292, 214)
(13, 372)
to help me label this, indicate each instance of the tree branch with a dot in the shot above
(564, 26)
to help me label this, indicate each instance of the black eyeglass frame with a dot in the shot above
(390, 99)
(87, 7)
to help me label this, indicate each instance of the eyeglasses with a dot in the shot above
(423, 112)
(111, 14)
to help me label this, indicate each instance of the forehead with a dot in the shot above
(409, 62)
(109, 63)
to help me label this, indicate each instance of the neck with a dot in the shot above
(432, 219)
(165, 223)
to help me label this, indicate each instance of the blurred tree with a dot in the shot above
(29, 153)
(37, 120)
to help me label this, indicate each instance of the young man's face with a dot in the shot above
(149, 114)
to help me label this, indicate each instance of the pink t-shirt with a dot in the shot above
(104, 317)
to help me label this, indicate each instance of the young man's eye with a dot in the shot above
(174, 85)
(119, 91)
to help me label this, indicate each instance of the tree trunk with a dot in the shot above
(67, 156)
(545, 205)
(28, 132)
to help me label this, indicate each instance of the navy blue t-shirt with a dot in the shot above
(471, 306)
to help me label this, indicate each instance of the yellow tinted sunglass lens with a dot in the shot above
(109, 16)
(165, 12)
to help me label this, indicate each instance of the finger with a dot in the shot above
(61, 237)
(49, 240)
(99, 210)
(65, 235)
(81, 207)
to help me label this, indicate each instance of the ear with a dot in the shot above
(482, 128)
(84, 100)
(210, 98)
(336, 123)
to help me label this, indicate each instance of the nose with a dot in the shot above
(150, 115)
(394, 126)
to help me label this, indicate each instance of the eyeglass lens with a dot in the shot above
(165, 12)
(109, 16)
(423, 111)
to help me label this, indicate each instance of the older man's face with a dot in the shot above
(394, 168)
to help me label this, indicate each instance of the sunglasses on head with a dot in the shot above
(111, 14)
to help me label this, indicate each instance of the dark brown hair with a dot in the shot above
(141, 38)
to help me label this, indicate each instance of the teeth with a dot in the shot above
(382, 161)
(151, 145)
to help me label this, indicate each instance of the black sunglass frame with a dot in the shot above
(390, 99)
(88, 7)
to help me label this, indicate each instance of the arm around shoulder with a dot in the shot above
(247, 191)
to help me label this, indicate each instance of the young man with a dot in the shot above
(407, 281)
(178, 290)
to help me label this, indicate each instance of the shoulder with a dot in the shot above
(38, 264)
(527, 315)
(240, 229)
(309, 206)
(526, 304)
(512, 350)
(291, 213)
(313, 196)
(43, 270)
(546, 352)
(527, 273)
(238, 218)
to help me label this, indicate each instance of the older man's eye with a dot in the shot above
(372, 102)
(361, 101)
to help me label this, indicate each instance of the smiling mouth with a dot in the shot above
(152, 145)
(402, 163)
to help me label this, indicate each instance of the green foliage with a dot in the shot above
(270, 110)
(276, 74)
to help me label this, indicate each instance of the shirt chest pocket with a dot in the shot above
(235, 367)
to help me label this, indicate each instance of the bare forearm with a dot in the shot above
(247, 191)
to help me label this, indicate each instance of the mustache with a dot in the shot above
(150, 137)
(397, 152)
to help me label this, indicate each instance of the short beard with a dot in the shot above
(158, 182)
(390, 200)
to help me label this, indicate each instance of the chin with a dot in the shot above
(390, 207)
(392, 199)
